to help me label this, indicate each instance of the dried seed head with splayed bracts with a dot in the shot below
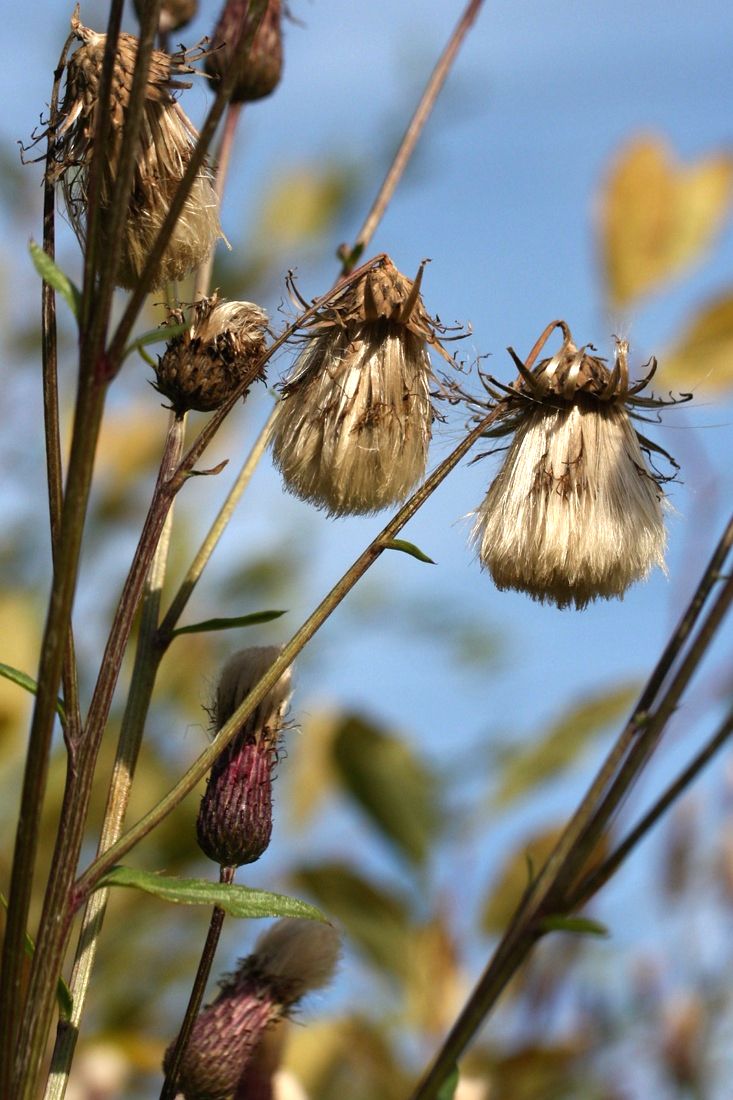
(221, 349)
(167, 139)
(575, 514)
(290, 959)
(234, 824)
(258, 63)
(352, 430)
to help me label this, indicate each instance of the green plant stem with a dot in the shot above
(203, 275)
(548, 894)
(54, 647)
(133, 720)
(199, 563)
(88, 879)
(173, 1063)
(49, 364)
(59, 906)
(414, 130)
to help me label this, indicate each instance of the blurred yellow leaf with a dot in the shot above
(436, 988)
(19, 630)
(349, 1057)
(303, 203)
(514, 877)
(310, 774)
(703, 356)
(562, 742)
(658, 217)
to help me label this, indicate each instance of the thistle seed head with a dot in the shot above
(352, 430)
(575, 513)
(167, 138)
(259, 65)
(234, 823)
(290, 959)
(203, 366)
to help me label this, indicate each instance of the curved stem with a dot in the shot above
(58, 909)
(198, 770)
(203, 275)
(412, 133)
(548, 894)
(173, 1064)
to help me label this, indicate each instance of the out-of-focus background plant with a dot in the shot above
(577, 166)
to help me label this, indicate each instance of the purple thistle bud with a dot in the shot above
(290, 958)
(174, 14)
(259, 65)
(234, 824)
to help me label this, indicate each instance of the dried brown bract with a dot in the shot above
(167, 139)
(575, 513)
(203, 366)
(352, 430)
(258, 64)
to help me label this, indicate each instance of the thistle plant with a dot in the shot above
(575, 513)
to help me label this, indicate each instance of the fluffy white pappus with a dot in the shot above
(574, 514)
(353, 428)
(297, 955)
(239, 675)
(167, 145)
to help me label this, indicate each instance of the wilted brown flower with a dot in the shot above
(290, 959)
(204, 365)
(174, 14)
(259, 64)
(167, 138)
(234, 824)
(351, 433)
(575, 514)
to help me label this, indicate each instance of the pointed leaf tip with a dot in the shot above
(407, 548)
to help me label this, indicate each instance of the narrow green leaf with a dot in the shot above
(238, 901)
(28, 683)
(448, 1089)
(407, 548)
(154, 336)
(229, 624)
(63, 993)
(55, 277)
(581, 926)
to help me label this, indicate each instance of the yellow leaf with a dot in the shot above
(703, 356)
(303, 203)
(658, 217)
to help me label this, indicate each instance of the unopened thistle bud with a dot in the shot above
(174, 14)
(575, 514)
(167, 139)
(290, 959)
(258, 62)
(352, 430)
(203, 366)
(234, 824)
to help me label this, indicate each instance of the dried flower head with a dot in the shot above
(352, 430)
(259, 64)
(167, 139)
(174, 14)
(290, 959)
(575, 513)
(234, 824)
(221, 348)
